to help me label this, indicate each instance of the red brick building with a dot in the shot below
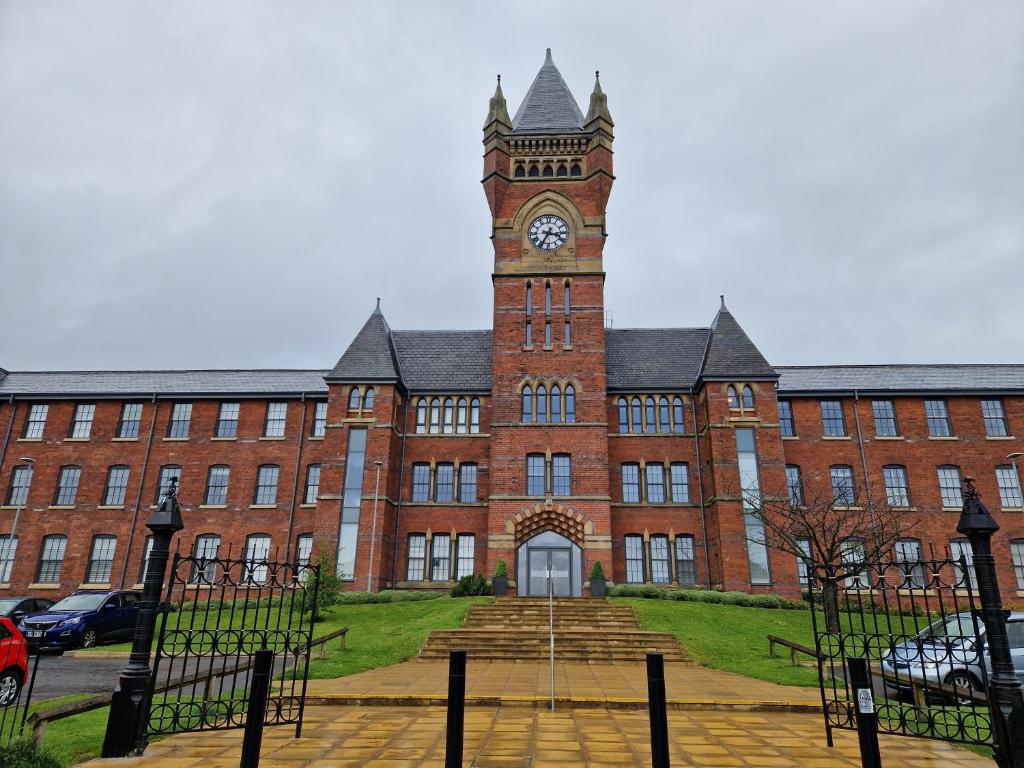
(548, 439)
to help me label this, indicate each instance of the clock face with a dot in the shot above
(548, 233)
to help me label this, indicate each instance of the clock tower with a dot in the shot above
(547, 177)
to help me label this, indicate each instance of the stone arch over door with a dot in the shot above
(527, 523)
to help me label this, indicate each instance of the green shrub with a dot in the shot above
(501, 570)
(386, 596)
(328, 586)
(597, 572)
(25, 754)
(471, 586)
(741, 599)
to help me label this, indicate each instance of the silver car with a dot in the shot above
(945, 652)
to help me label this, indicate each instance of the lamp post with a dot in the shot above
(13, 538)
(129, 706)
(373, 526)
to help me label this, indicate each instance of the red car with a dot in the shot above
(13, 662)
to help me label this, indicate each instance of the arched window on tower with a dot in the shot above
(556, 404)
(460, 418)
(570, 403)
(449, 416)
(528, 341)
(562, 170)
(534, 171)
(547, 313)
(549, 171)
(368, 400)
(474, 416)
(734, 401)
(542, 405)
(576, 170)
(748, 397)
(421, 416)
(527, 404)
(435, 416)
(678, 421)
(568, 311)
(353, 399)
(637, 415)
(663, 416)
(520, 171)
(623, 416)
(651, 425)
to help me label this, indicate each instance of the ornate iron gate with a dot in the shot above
(218, 612)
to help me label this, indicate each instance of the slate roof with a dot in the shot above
(444, 361)
(731, 353)
(549, 105)
(900, 378)
(371, 356)
(653, 358)
(144, 383)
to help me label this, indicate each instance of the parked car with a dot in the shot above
(13, 662)
(82, 620)
(946, 652)
(17, 608)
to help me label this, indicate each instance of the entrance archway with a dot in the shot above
(549, 561)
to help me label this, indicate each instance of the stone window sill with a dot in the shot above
(110, 506)
(61, 506)
(38, 586)
(7, 585)
(13, 506)
(30, 439)
(790, 437)
(1000, 437)
(952, 509)
(273, 437)
(316, 437)
(223, 439)
(943, 437)
(836, 437)
(851, 509)
(76, 439)
(124, 439)
(307, 506)
(1011, 509)
(213, 506)
(94, 585)
(263, 506)
(174, 439)
(889, 437)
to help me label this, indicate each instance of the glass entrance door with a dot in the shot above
(554, 564)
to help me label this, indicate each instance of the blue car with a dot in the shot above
(82, 620)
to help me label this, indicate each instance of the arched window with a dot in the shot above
(748, 397)
(542, 405)
(547, 298)
(570, 404)
(623, 416)
(353, 399)
(678, 421)
(435, 416)
(576, 170)
(474, 416)
(527, 404)
(460, 420)
(421, 416)
(556, 404)
(529, 298)
(562, 170)
(568, 298)
(534, 171)
(734, 401)
(449, 416)
(520, 171)
(549, 171)
(651, 424)
(663, 417)
(637, 415)
(368, 400)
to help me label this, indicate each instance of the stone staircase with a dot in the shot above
(586, 629)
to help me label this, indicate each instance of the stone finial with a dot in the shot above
(497, 111)
(598, 103)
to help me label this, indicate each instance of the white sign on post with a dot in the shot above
(865, 702)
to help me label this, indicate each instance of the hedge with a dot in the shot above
(706, 596)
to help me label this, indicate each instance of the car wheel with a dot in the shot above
(10, 687)
(90, 638)
(965, 681)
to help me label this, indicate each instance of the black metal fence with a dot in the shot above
(17, 676)
(217, 614)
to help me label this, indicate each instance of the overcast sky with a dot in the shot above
(230, 184)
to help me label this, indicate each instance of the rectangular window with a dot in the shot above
(1017, 553)
(21, 481)
(131, 419)
(217, 485)
(634, 559)
(938, 418)
(467, 483)
(166, 473)
(833, 423)
(786, 426)
(444, 483)
(680, 476)
(101, 559)
(319, 419)
(885, 418)
(420, 482)
(266, 484)
(1009, 487)
(547, 333)
(440, 557)
(631, 483)
(416, 557)
(896, 490)
(312, 484)
(304, 555)
(257, 552)
(277, 414)
(529, 332)
(117, 486)
(655, 474)
(949, 487)
(8, 549)
(794, 485)
(960, 550)
(568, 334)
(352, 495)
(81, 427)
(204, 565)
(536, 482)
(853, 564)
(561, 480)
(466, 553)
(35, 424)
(227, 420)
(660, 570)
(842, 486)
(147, 548)
(995, 418)
(803, 572)
(67, 486)
(686, 561)
(750, 487)
(908, 555)
(51, 559)
(181, 418)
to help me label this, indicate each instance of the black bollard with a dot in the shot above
(259, 688)
(658, 710)
(456, 709)
(864, 706)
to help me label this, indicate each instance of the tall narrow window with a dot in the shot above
(655, 483)
(561, 476)
(421, 482)
(949, 487)
(257, 553)
(536, 482)
(529, 300)
(960, 551)
(421, 417)
(686, 561)
(277, 416)
(227, 420)
(786, 427)
(568, 299)
(465, 557)
(547, 314)
(204, 558)
(444, 483)
(884, 412)
(833, 422)
(312, 490)
(528, 341)
(1017, 553)
(1009, 487)
(527, 404)
(266, 484)
(461, 425)
(854, 565)
(17, 494)
(570, 404)
(51, 559)
(634, 559)
(217, 485)
(750, 487)
(650, 420)
(623, 415)
(908, 555)
(67, 486)
(995, 418)
(131, 420)
(147, 549)
(167, 472)
(897, 493)
(802, 562)
(101, 559)
(304, 555)
(8, 549)
(748, 397)
(794, 485)
(353, 399)
(319, 419)
(732, 397)
(35, 424)
(116, 487)
(441, 557)
(81, 427)
(547, 332)
(368, 399)
(542, 405)
(661, 572)
(937, 415)
(678, 419)
(680, 476)
(631, 483)
(449, 416)
(842, 485)
(416, 557)
(637, 415)
(664, 422)
(474, 416)
(568, 333)
(556, 404)
(181, 419)
(435, 416)
(467, 483)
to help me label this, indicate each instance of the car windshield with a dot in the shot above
(78, 603)
(7, 605)
(952, 627)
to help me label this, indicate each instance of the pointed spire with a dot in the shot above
(549, 106)
(497, 111)
(730, 352)
(371, 355)
(598, 103)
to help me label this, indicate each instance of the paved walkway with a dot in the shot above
(514, 737)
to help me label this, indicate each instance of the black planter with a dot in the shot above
(500, 586)
(598, 587)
